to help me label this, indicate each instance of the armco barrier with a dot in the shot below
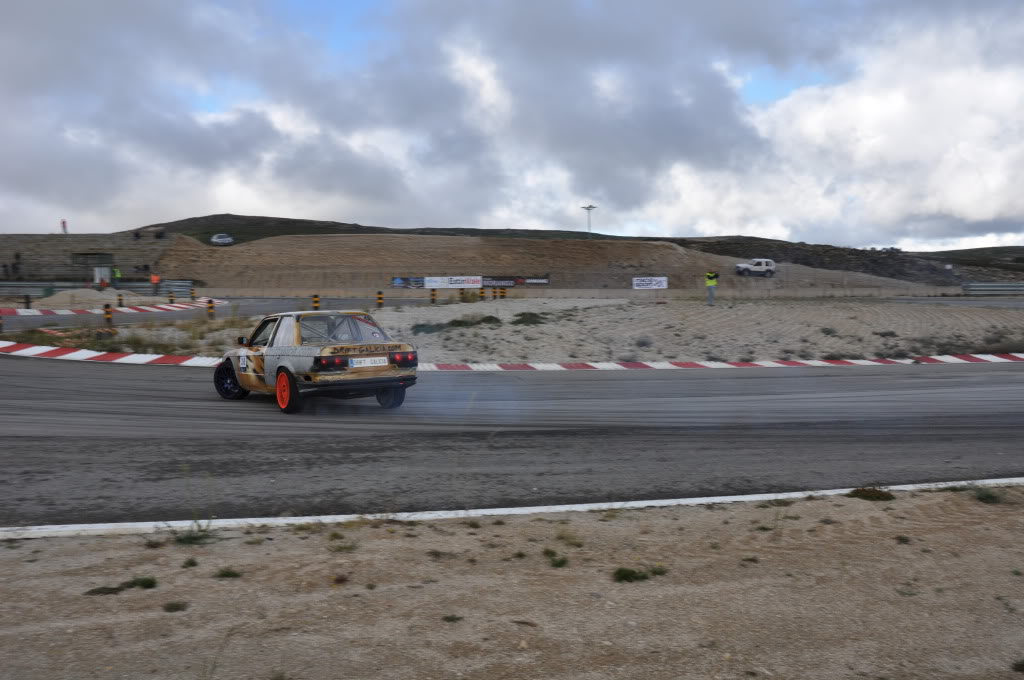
(725, 293)
(996, 288)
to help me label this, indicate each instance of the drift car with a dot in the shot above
(299, 354)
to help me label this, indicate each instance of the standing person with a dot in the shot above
(154, 278)
(115, 277)
(711, 283)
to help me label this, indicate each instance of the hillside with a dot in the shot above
(372, 260)
(1006, 258)
(924, 268)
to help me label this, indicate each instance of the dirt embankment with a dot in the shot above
(927, 586)
(370, 261)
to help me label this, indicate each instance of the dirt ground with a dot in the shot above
(617, 330)
(370, 261)
(928, 586)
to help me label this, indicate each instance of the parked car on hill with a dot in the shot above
(295, 355)
(756, 267)
(222, 240)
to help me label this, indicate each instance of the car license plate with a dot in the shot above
(368, 361)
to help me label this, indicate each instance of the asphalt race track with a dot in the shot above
(84, 442)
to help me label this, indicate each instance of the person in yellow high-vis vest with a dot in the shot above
(711, 283)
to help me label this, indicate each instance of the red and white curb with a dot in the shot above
(56, 530)
(22, 349)
(169, 307)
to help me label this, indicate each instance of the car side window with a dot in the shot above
(262, 335)
(285, 336)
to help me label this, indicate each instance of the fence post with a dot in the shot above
(433, 296)
(28, 301)
(209, 308)
(316, 303)
(170, 297)
(108, 314)
(380, 299)
(192, 293)
(120, 300)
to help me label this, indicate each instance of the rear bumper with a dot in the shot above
(356, 387)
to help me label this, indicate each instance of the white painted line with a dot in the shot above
(80, 355)
(31, 351)
(127, 310)
(606, 366)
(62, 312)
(427, 367)
(29, 312)
(714, 364)
(53, 530)
(201, 361)
(148, 309)
(549, 367)
(770, 364)
(1017, 354)
(950, 359)
(136, 359)
(6, 343)
(485, 367)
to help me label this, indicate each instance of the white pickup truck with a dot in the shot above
(756, 267)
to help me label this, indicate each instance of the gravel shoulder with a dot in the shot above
(925, 586)
(567, 330)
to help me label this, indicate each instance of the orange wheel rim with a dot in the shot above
(283, 390)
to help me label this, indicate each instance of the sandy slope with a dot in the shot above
(926, 587)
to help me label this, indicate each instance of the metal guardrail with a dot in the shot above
(37, 289)
(998, 288)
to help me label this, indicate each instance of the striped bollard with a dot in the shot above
(209, 308)
(316, 303)
(120, 300)
(170, 297)
(108, 314)
(192, 294)
(380, 299)
(433, 296)
(502, 293)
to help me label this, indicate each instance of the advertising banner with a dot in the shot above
(541, 281)
(452, 281)
(650, 282)
(407, 282)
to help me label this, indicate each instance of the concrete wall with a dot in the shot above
(47, 257)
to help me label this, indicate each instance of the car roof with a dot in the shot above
(321, 312)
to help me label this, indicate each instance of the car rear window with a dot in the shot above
(318, 329)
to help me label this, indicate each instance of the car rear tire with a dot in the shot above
(226, 382)
(286, 391)
(393, 397)
(769, 274)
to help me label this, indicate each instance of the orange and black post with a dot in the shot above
(316, 303)
(380, 299)
(503, 292)
(433, 296)
(209, 309)
(120, 300)
(170, 297)
(192, 293)
(108, 314)
(462, 294)
(494, 293)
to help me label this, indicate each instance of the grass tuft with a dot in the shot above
(989, 496)
(176, 606)
(871, 493)
(227, 572)
(451, 618)
(627, 575)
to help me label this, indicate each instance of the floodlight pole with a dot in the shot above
(588, 208)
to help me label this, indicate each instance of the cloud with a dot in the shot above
(495, 114)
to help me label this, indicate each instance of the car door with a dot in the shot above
(252, 359)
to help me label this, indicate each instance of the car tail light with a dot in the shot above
(330, 363)
(404, 359)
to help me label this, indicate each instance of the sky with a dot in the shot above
(851, 122)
